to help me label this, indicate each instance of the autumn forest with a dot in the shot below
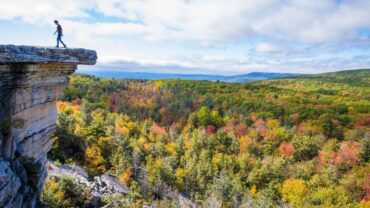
(301, 141)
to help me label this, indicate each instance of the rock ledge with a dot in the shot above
(33, 54)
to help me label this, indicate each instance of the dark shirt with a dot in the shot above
(59, 30)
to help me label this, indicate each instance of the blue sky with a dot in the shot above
(200, 36)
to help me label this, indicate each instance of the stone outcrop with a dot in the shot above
(101, 185)
(31, 79)
(104, 185)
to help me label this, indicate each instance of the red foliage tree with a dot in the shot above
(210, 129)
(76, 101)
(363, 122)
(260, 126)
(159, 130)
(240, 130)
(230, 125)
(114, 101)
(348, 154)
(286, 149)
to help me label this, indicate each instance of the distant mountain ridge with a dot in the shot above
(253, 76)
(355, 77)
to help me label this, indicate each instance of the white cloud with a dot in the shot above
(225, 66)
(112, 61)
(204, 34)
(207, 20)
(267, 48)
(105, 29)
(42, 11)
(302, 20)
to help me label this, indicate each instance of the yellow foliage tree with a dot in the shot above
(158, 84)
(294, 192)
(126, 176)
(364, 204)
(216, 160)
(61, 106)
(52, 191)
(94, 160)
(171, 148)
(253, 191)
(180, 177)
(272, 123)
(244, 141)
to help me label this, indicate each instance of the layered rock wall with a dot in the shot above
(31, 80)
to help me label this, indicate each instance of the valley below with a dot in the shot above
(300, 141)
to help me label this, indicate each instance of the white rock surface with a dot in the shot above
(101, 185)
(113, 184)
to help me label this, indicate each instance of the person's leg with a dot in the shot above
(63, 43)
(58, 39)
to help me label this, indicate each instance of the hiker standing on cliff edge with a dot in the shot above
(59, 33)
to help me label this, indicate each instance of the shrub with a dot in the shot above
(63, 193)
(306, 148)
(33, 169)
(331, 197)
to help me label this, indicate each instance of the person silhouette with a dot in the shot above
(59, 33)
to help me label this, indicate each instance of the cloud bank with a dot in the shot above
(215, 36)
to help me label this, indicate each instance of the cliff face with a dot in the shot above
(31, 79)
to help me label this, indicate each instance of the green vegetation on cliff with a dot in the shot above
(302, 141)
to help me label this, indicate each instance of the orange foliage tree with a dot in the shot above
(286, 149)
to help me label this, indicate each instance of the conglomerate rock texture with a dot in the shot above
(31, 79)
